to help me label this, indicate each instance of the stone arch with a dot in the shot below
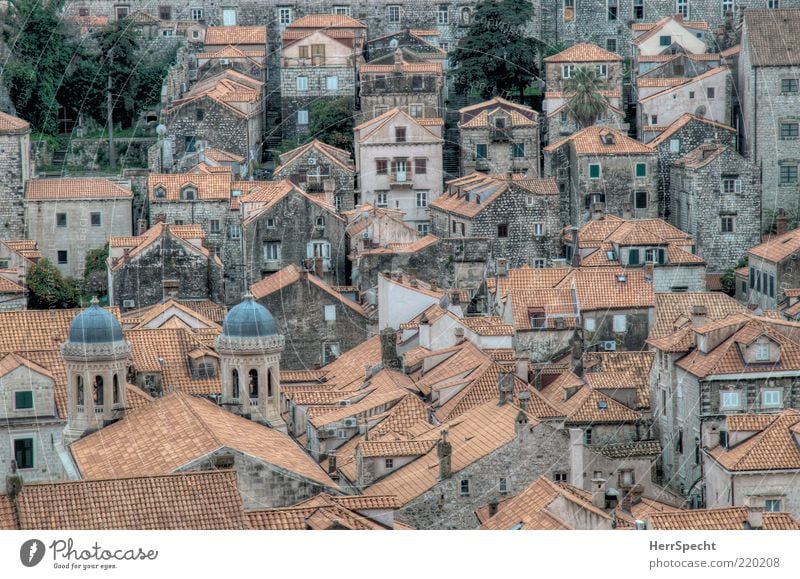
(253, 383)
(235, 383)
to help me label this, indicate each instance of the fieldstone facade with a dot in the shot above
(561, 124)
(16, 167)
(716, 198)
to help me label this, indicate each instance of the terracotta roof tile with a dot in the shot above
(434, 68)
(651, 29)
(323, 511)
(647, 82)
(766, 32)
(583, 52)
(778, 248)
(214, 187)
(233, 35)
(196, 500)
(326, 21)
(179, 232)
(338, 156)
(12, 124)
(74, 189)
(773, 448)
(686, 82)
(389, 448)
(626, 450)
(8, 519)
(178, 429)
(613, 370)
(724, 519)
(484, 119)
(590, 141)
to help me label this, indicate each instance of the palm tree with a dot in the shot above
(586, 101)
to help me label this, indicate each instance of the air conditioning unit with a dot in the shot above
(224, 61)
(609, 346)
(128, 303)
(365, 235)
(330, 432)
(350, 422)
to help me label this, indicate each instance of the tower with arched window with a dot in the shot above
(97, 358)
(250, 357)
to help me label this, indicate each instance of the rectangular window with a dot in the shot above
(502, 230)
(122, 12)
(272, 251)
(665, 40)
(771, 398)
(626, 478)
(560, 476)
(653, 119)
(464, 487)
(382, 167)
(214, 226)
(229, 16)
(332, 83)
(601, 70)
(620, 323)
(789, 85)
(422, 199)
(165, 12)
(569, 10)
(638, 9)
(423, 228)
(589, 324)
(442, 15)
(773, 4)
(302, 117)
(633, 256)
(611, 44)
(594, 171)
(613, 9)
(382, 198)
(23, 400)
(302, 83)
(503, 486)
(342, 10)
(788, 174)
(393, 14)
(727, 223)
(771, 286)
(538, 229)
(94, 219)
(654, 255)
(197, 13)
(284, 16)
(420, 166)
(674, 145)
(731, 185)
(235, 231)
(710, 92)
(566, 70)
(61, 219)
(388, 463)
(518, 150)
(640, 199)
(727, 7)
(302, 51)
(399, 134)
(641, 169)
(538, 263)
(729, 399)
(587, 436)
(481, 150)
(789, 131)
(416, 111)
(762, 352)
(23, 453)
(682, 8)
(772, 505)
(62, 256)
(330, 313)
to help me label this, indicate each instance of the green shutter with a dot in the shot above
(23, 400)
(633, 256)
(641, 169)
(594, 171)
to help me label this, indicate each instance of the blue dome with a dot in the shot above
(249, 319)
(95, 326)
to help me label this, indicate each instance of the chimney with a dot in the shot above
(332, 462)
(781, 222)
(424, 332)
(648, 272)
(699, 315)
(755, 515)
(389, 357)
(505, 382)
(492, 508)
(627, 211)
(576, 251)
(445, 451)
(522, 369)
(599, 493)
(398, 61)
(711, 438)
(576, 348)
(367, 372)
(434, 285)
(459, 334)
(502, 267)
(524, 398)
(679, 17)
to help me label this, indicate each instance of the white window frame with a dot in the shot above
(228, 11)
(762, 352)
(302, 83)
(727, 397)
(381, 198)
(33, 401)
(394, 13)
(235, 231)
(272, 251)
(620, 322)
(343, 10)
(772, 505)
(539, 263)
(422, 199)
(538, 229)
(329, 312)
(567, 70)
(285, 15)
(674, 145)
(302, 117)
(682, 8)
(332, 83)
(197, 14)
(727, 6)
(601, 70)
(443, 14)
(589, 324)
(772, 398)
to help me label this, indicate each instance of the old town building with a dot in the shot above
(17, 167)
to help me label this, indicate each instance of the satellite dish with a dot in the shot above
(161, 130)
(394, 43)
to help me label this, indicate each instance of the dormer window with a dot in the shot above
(399, 134)
(189, 194)
(608, 139)
(205, 368)
(320, 221)
(762, 352)
(537, 318)
(160, 193)
(500, 123)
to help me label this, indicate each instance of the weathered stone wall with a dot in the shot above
(47, 464)
(554, 74)
(297, 169)
(299, 310)
(632, 339)
(561, 124)
(398, 91)
(533, 453)
(91, 153)
(15, 168)
(293, 100)
(499, 158)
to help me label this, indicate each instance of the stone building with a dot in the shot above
(716, 198)
(319, 322)
(16, 167)
(241, 48)
(399, 163)
(369, 227)
(415, 45)
(321, 170)
(166, 260)
(678, 139)
(211, 201)
(672, 34)
(16, 258)
(602, 171)
(708, 95)
(769, 134)
(283, 225)
(772, 271)
(271, 469)
(499, 136)
(665, 252)
(520, 217)
(319, 61)
(560, 123)
(414, 86)
(224, 111)
(672, 66)
(69, 217)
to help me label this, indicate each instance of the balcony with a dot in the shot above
(271, 265)
(482, 164)
(401, 179)
(99, 409)
(500, 135)
(254, 402)
(520, 163)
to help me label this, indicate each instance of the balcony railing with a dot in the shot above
(254, 402)
(99, 409)
(271, 265)
(402, 179)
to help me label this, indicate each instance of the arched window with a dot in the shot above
(270, 383)
(465, 16)
(116, 389)
(160, 192)
(98, 390)
(321, 221)
(235, 380)
(80, 396)
(254, 383)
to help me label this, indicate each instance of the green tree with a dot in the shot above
(48, 289)
(40, 57)
(586, 101)
(496, 57)
(95, 278)
(332, 122)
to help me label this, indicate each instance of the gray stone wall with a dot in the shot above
(632, 339)
(299, 310)
(141, 279)
(297, 169)
(533, 453)
(14, 170)
(46, 437)
(399, 92)
(499, 158)
(699, 204)
(293, 100)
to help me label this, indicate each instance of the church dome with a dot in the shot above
(249, 319)
(95, 325)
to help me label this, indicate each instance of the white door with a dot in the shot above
(229, 17)
(401, 171)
